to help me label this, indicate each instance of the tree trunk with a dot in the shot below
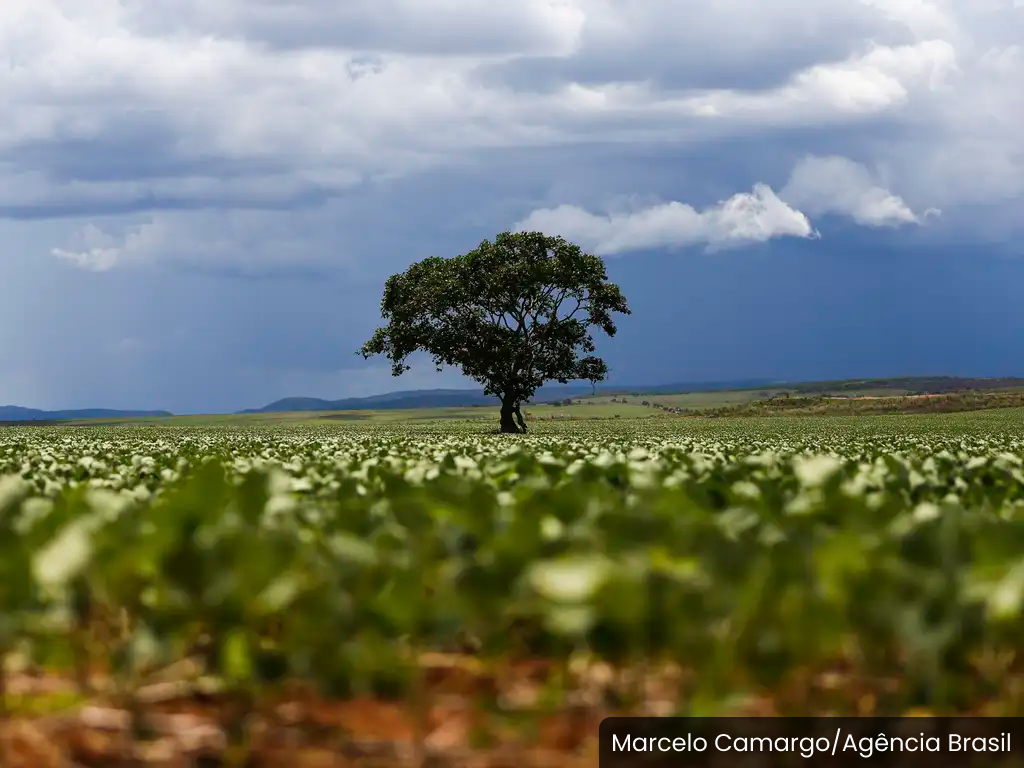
(519, 418)
(508, 412)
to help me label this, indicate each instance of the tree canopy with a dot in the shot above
(512, 314)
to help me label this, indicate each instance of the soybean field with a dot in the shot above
(393, 593)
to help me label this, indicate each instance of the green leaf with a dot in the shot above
(570, 580)
(236, 661)
(67, 555)
(351, 549)
(280, 594)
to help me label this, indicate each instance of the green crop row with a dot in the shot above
(756, 562)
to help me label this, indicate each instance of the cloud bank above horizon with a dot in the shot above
(819, 185)
(263, 106)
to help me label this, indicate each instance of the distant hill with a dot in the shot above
(461, 398)
(12, 413)
(420, 398)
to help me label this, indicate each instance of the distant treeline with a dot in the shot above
(911, 384)
(33, 423)
(840, 406)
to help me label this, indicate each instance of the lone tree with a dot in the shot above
(511, 314)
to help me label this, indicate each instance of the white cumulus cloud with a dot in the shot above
(95, 250)
(837, 185)
(817, 186)
(235, 240)
(748, 217)
(880, 79)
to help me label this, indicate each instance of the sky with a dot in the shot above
(200, 200)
